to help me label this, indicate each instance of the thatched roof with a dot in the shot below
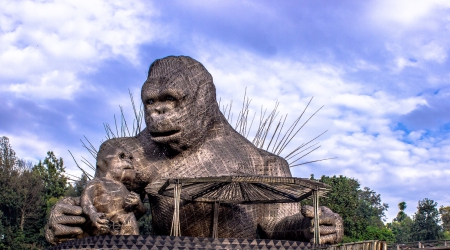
(243, 189)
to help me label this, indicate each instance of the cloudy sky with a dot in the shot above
(380, 68)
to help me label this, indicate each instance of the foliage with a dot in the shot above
(446, 235)
(20, 200)
(401, 216)
(145, 222)
(80, 185)
(361, 209)
(445, 217)
(378, 233)
(401, 225)
(426, 224)
(26, 194)
(51, 170)
(77, 188)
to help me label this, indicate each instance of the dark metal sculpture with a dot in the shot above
(188, 136)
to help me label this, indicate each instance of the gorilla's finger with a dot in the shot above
(102, 226)
(327, 220)
(325, 230)
(61, 230)
(102, 221)
(325, 209)
(65, 219)
(328, 239)
(68, 209)
(308, 211)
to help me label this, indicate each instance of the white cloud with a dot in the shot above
(50, 85)
(406, 12)
(433, 51)
(412, 31)
(27, 142)
(40, 38)
(361, 120)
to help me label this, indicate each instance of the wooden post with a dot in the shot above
(175, 230)
(316, 216)
(215, 232)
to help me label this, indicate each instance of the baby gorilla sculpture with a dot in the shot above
(188, 136)
(111, 208)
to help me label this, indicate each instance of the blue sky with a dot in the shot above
(380, 68)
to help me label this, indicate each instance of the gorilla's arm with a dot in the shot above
(92, 190)
(285, 221)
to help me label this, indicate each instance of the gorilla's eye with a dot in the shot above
(122, 156)
(150, 101)
(170, 98)
(131, 158)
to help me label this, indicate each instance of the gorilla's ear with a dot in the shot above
(206, 97)
(101, 168)
(206, 90)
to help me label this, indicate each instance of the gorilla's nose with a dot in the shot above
(159, 110)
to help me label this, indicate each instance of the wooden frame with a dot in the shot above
(242, 190)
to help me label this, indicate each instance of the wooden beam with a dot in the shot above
(209, 190)
(215, 231)
(316, 216)
(273, 190)
(175, 230)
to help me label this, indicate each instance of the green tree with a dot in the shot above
(52, 170)
(145, 222)
(426, 224)
(361, 209)
(20, 201)
(78, 186)
(371, 208)
(401, 215)
(379, 233)
(445, 217)
(401, 225)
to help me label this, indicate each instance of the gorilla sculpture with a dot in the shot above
(109, 205)
(188, 136)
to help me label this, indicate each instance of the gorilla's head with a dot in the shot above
(114, 161)
(180, 105)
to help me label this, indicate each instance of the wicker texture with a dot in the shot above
(241, 189)
(188, 136)
(110, 206)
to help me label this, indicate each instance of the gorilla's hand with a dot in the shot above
(132, 200)
(331, 225)
(100, 222)
(64, 221)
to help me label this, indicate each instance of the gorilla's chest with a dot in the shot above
(234, 221)
(212, 161)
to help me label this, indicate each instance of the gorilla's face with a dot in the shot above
(115, 162)
(175, 111)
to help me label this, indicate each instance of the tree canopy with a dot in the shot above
(362, 211)
(27, 192)
(426, 224)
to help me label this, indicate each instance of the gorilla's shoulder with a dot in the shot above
(273, 157)
(278, 165)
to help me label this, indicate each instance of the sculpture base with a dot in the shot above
(148, 242)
